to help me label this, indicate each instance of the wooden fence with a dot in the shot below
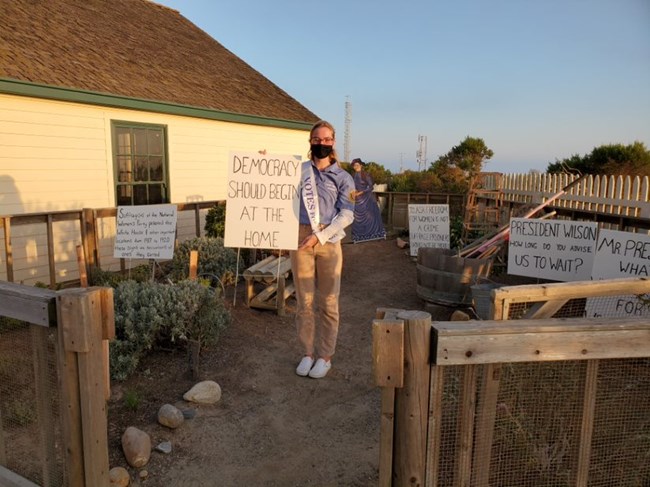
(620, 200)
(517, 403)
(54, 429)
(41, 247)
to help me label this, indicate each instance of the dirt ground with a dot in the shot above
(272, 427)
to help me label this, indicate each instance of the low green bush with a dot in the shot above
(216, 262)
(148, 314)
(215, 221)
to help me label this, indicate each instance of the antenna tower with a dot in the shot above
(421, 153)
(346, 136)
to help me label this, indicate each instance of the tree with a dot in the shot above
(632, 159)
(456, 169)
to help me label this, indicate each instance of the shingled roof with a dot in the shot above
(133, 48)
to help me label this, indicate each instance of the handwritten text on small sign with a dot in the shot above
(145, 232)
(559, 250)
(428, 227)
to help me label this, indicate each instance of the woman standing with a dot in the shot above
(367, 217)
(326, 208)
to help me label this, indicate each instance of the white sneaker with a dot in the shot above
(321, 369)
(304, 366)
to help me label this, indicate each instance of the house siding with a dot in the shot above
(57, 155)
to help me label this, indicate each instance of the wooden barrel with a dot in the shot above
(445, 278)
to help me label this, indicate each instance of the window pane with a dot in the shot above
(140, 194)
(156, 194)
(124, 196)
(123, 135)
(141, 168)
(124, 169)
(140, 141)
(155, 168)
(155, 142)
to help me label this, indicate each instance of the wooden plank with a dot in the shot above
(411, 405)
(386, 432)
(3, 450)
(10, 479)
(587, 427)
(434, 426)
(26, 303)
(70, 409)
(194, 264)
(108, 333)
(387, 313)
(544, 309)
(467, 401)
(388, 352)
(88, 222)
(571, 290)
(93, 406)
(81, 265)
(72, 310)
(486, 416)
(6, 222)
(46, 422)
(251, 272)
(467, 342)
(50, 252)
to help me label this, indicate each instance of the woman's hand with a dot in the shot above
(309, 242)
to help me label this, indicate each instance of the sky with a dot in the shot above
(538, 81)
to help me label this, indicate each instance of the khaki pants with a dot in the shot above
(317, 279)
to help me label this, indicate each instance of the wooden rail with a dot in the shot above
(82, 317)
(479, 350)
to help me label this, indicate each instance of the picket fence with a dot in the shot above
(619, 195)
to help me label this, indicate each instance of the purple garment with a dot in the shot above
(367, 223)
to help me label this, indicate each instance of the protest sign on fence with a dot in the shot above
(145, 232)
(559, 250)
(620, 254)
(262, 201)
(428, 227)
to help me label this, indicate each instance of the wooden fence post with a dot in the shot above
(411, 404)
(89, 237)
(388, 373)
(85, 423)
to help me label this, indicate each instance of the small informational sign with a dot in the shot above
(263, 201)
(558, 250)
(428, 227)
(145, 232)
(618, 255)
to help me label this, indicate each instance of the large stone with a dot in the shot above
(119, 477)
(170, 416)
(136, 445)
(206, 392)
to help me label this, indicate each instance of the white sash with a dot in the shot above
(310, 195)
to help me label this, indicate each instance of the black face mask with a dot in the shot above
(320, 151)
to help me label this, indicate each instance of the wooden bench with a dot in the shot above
(274, 275)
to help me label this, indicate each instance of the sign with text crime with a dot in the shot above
(145, 232)
(559, 250)
(428, 227)
(618, 255)
(262, 201)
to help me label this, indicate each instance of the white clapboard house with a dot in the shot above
(123, 102)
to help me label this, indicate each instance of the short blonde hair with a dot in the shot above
(323, 123)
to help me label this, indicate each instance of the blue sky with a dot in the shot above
(536, 80)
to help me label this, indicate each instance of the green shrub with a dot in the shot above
(215, 221)
(217, 263)
(98, 277)
(149, 313)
